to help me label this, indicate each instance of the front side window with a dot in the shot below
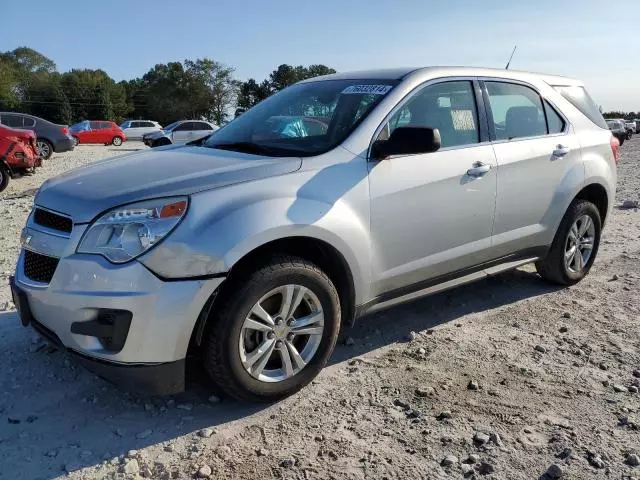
(303, 120)
(96, 125)
(184, 127)
(449, 106)
(517, 111)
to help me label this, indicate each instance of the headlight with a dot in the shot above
(126, 232)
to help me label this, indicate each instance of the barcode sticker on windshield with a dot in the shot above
(367, 89)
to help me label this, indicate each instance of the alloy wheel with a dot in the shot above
(43, 149)
(579, 244)
(281, 333)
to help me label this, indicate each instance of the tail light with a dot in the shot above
(615, 148)
(65, 131)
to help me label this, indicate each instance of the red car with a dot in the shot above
(97, 132)
(18, 153)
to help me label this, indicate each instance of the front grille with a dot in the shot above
(39, 268)
(52, 220)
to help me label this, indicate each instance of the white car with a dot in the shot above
(135, 129)
(180, 132)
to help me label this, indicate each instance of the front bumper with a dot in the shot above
(158, 379)
(161, 315)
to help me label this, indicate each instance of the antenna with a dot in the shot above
(509, 62)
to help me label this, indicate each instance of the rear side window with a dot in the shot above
(148, 124)
(29, 122)
(554, 120)
(580, 98)
(517, 111)
(202, 126)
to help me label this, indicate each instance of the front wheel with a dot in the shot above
(116, 142)
(575, 246)
(274, 331)
(76, 142)
(45, 149)
(4, 178)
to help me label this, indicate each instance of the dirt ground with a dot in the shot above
(508, 378)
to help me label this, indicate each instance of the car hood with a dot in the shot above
(166, 171)
(157, 133)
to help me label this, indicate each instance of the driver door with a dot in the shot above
(431, 214)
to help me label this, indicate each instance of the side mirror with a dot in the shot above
(407, 141)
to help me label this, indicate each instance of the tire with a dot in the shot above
(45, 149)
(4, 178)
(553, 267)
(227, 336)
(76, 141)
(622, 139)
(116, 142)
(161, 142)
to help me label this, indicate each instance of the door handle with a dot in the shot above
(478, 170)
(561, 151)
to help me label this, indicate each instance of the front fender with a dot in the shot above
(212, 242)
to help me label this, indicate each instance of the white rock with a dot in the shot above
(204, 471)
(206, 432)
(131, 467)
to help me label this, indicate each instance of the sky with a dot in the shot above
(593, 40)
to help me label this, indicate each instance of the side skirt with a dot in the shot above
(450, 280)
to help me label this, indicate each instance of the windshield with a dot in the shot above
(303, 120)
(171, 126)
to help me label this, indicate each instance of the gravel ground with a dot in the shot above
(507, 378)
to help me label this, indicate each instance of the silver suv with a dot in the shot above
(331, 199)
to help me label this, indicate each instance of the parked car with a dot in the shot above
(179, 133)
(631, 129)
(136, 129)
(98, 132)
(618, 129)
(637, 122)
(18, 153)
(50, 137)
(249, 253)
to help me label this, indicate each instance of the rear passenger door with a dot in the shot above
(535, 149)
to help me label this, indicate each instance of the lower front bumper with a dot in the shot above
(151, 379)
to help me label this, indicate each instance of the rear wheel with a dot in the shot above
(274, 331)
(45, 149)
(116, 142)
(575, 246)
(4, 178)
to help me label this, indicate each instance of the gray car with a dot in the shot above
(50, 137)
(333, 198)
(179, 133)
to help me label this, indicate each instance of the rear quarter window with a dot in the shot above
(580, 98)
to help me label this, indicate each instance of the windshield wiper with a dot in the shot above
(245, 147)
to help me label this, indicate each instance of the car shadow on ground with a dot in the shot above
(125, 149)
(61, 416)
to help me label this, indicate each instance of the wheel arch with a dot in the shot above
(321, 253)
(597, 194)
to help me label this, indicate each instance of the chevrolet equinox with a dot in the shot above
(335, 197)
